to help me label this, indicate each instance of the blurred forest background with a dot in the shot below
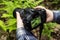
(51, 31)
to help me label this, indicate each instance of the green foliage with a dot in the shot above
(53, 4)
(48, 28)
(7, 21)
(2, 25)
(9, 6)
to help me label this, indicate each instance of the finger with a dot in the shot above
(18, 17)
(17, 14)
(39, 7)
(19, 20)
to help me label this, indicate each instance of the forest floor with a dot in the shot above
(12, 35)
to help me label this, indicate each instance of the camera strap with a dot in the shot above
(43, 20)
(27, 24)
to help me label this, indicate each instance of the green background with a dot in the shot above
(8, 22)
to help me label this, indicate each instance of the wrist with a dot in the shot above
(20, 25)
(56, 16)
(49, 15)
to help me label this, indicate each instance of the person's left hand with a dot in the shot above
(19, 20)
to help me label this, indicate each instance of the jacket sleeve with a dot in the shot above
(56, 15)
(23, 34)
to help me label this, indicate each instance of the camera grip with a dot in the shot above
(17, 10)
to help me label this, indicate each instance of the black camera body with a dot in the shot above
(30, 15)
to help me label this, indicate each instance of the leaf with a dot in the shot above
(3, 26)
(6, 16)
(11, 22)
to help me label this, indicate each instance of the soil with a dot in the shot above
(7, 36)
(12, 35)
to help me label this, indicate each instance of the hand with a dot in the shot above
(48, 12)
(19, 20)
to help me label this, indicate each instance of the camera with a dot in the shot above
(32, 18)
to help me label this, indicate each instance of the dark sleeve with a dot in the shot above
(23, 34)
(56, 15)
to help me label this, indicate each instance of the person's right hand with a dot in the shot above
(48, 12)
